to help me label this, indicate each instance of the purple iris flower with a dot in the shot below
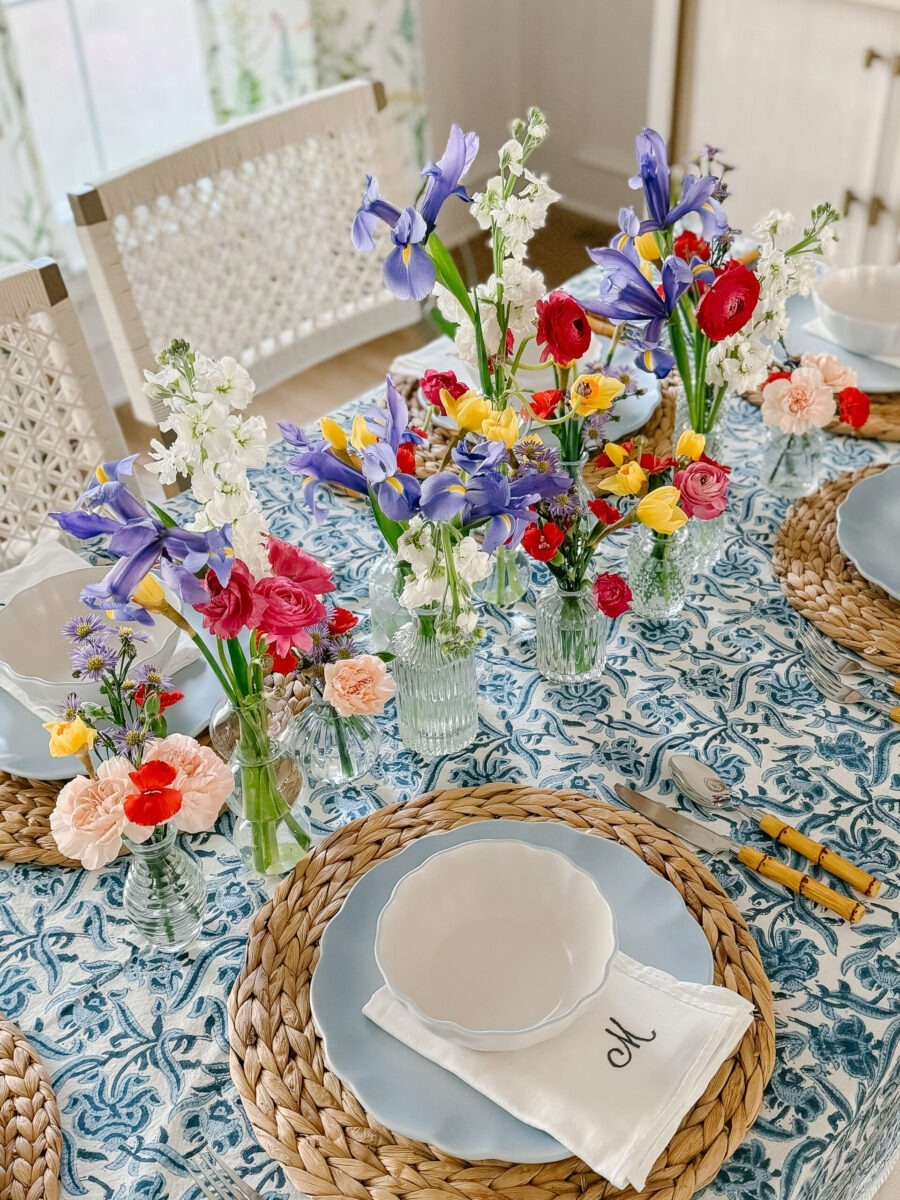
(655, 178)
(372, 209)
(478, 457)
(625, 295)
(653, 359)
(629, 228)
(443, 177)
(443, 496)
(396, 493)
(504, 503)
(408, 269)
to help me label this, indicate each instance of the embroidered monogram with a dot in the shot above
(621, 1055)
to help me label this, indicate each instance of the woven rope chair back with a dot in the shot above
(240, 243)
(55, 423)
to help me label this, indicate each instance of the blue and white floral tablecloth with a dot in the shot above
(136, 1042)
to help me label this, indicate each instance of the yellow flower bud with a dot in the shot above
(647, 246)
(690, 445)
(615, 453)
(502, 427)
(593, 393)
(468, 410)
(148, 594)
(659, 510)
(69, 737)
(360, 434)
(627, 481)
(333, 434)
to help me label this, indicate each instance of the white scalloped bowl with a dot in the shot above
(860, 308)
(496, 945)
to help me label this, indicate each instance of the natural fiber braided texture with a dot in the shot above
(827, 589)
(315, 1127)
(883, 423)
(30, 1134)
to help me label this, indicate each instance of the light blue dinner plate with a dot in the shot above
(868, 529)
(872, 376)
(413, 1096)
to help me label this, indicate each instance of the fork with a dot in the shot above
(216, 1179)
(832, 688)
(830, 656)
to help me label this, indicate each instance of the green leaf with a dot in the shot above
(168, 521)
(390, 530)
(447, 274)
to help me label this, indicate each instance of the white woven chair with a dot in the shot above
(240, 243)
(55, 423)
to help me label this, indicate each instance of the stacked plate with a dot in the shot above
(868, 529)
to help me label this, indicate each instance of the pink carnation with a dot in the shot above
(205, 782)
(834, 374)
(89, 816)
(800, 403)
(357, 686)
(288, 609)
(294, 563)
(703, 486)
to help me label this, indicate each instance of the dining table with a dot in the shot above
(136, 1041)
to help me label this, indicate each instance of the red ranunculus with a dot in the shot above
(653, 465)
(703, 487)
(776, 375)
(612, 595)
(293, 563)
(603, 460)
(288, 609)
(854, 407)
(341, 620)
(154, 801)
(166, 699)
(562, 328)
(233, 608)
(433, 383)
(605, 513)
(688, 245)
(728, 304)
(406, 458)
(542, 541)
(544, 404)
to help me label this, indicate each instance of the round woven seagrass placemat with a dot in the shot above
(883, 422)
(825, 587)
(30, 1134)
(315, 1127)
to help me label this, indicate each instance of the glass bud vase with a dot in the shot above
(386, 614)
(708, 540)
(792, 463)
(437, 700)
(509, 580)
(660, 567)
(331, 748)
(712, 430)
(570, 635)
(165, 893)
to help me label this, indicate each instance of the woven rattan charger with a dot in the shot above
(883, 423)
(30, 1135)
(315, 1127)
(827, 589)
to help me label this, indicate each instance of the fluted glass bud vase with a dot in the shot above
(570, 635)
(704, 421)
(437, 700)
(792, 463)
(386, 614)
(708, 538)
(660, 566)
(165, 893)
(509, 580)
(331, 748)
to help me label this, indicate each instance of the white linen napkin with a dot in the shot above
(614, 1086)
(817, 329)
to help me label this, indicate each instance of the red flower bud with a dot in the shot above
(406, 458)
(605, 513)
(854, 407)
(433, 383)
(341, 621)
(544, 404)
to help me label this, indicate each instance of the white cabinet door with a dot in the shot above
(783, 87)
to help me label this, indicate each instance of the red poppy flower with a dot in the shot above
(655, 466)
(341, 620)
(542, 541)
(166, 699)
(854, 407)
(612, 595)
(406, 458)
(562, 328)
(154, 801)
(544, 404)
(605, 513)
(728, 304)
(688, 245)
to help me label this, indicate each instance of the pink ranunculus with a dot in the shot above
(89, 816)
(293, 563)
(703, 486)
(796, 405)
(233, 608)
(288, 609)
(205, 782)
(836, 375)
(358, 686)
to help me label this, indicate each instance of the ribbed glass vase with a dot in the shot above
(708, 541)
(660, 567)
(792, 463)
(509, 580)
(570, 635)
(437, 700)
(331, 748)
(701, 422)
(386, 613)
(165, 893)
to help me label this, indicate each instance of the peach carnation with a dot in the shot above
(205, 782)
(800, 403)
(89, 816)
(357, 686)
(833, 372)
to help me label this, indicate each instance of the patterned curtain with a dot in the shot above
(264, 52)
(27, 229)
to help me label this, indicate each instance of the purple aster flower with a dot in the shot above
(594, 427)
(152, 677)
(93, 659)
(321, 641)
(343, 646)
(533, 452)
(81, 628)
(564, 506)
(129, 740)
(128, 633)
(71, 707)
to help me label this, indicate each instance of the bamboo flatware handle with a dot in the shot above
(851, 910)
(827, 859)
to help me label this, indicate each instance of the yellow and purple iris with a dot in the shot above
(654, 177)
(625, 295)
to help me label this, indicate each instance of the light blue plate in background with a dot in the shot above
(868, 529)
(413, 1096)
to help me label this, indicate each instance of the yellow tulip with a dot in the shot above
(627, 481)
(468, 411)
(502, 427)
(691, 445)
(647, 246)
(333, 434)
(593, 393)
(69, 737)
(148, 594)
(615, 453)
(360, 434)
(659, 510)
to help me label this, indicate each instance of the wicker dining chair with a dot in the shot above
(55, 423)
(240, 243)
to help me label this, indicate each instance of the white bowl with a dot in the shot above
(496, 945)
(34, 655)
(860, 308)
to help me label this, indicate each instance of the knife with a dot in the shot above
(716, 843)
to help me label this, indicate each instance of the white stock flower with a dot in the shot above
(472, 564)
(511, 156)
(248, 535)
(774, 227)
(467, 620)
(448, 306)
(486, 203)
(167, 461)
(416, 547)
(522, 288)
(251, 443)
(227, 378)
(421, 590)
